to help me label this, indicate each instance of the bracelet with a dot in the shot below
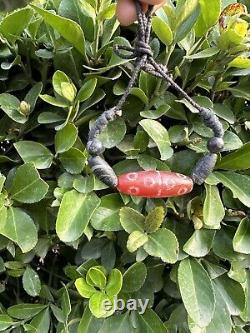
(151, 184)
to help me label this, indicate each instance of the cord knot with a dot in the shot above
(143, 48)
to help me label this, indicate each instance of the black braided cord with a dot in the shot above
(143, 56)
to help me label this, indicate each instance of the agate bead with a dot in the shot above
(154, 184)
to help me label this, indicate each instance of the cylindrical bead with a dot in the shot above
(154, 184)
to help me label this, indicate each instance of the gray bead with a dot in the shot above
(95, 147)
(203, 168)
(103, 171)
(215, 145)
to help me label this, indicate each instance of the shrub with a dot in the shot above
(67, 242)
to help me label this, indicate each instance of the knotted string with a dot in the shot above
(142, 54)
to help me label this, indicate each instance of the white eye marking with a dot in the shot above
(169, 183)
(181, 176)
(133, 190)
(132, 176)
(159, 193)
(149, 181)
(183, 191)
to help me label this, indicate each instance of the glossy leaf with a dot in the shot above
(25, 310)
(238, 184)
(34, 152)
(131, 220)
(200, 243)
(159, 135)
(65, 138)
(31, 282)
(69, 29)
(74, 214)
(241, 240)
(14, 24)
(162, 30)
(197, 292)
(27, 185)
(20, 228)
(213, 210)
(5, 322)
(134, 277)
(156, 245)
(238, 160)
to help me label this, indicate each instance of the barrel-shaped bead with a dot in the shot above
(154, 184)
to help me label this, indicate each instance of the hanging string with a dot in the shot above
(142, 55)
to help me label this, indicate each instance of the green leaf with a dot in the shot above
(97, 305)
(66, 305)
(66, 138)
(196, 291)
(223, 244)
(210, 12)
(113, 134)
(154, 219)
(41, 322)
(20, 228)
(5, 322)
(97, 278)
(245, 315)
(2, 181)
(149, 322)
(162, 30)
(11, 106)
(74, 214)
(67, 28)
(84, 289)
(33, 94)
(135, 240)
(232, 293)
(87, 9)
(34, 152)
(238, 160)
(31, 282)
(156, 245)
(221, 321)
(27, 186)
(240, 62)
(213, 209)
(131, 220)
(186, 15)
(200, 243)
(114, 284)
(87, 90)
(106, 216)
(159, 135)
(207, 53)
(134, 277)
(117, 323)
(25, 311)
(238, 184)
(13, 24)
(58, 79)
(54, 101)
(241, 240)
(73, 160)
(89, 323)
(3, 212)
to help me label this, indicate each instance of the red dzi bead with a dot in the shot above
(154, 184)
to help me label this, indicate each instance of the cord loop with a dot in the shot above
(143, 56)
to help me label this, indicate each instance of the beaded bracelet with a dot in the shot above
(151, 184)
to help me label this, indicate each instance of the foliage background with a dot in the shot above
(66, 241)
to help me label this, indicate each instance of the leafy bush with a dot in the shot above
(67, 242)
